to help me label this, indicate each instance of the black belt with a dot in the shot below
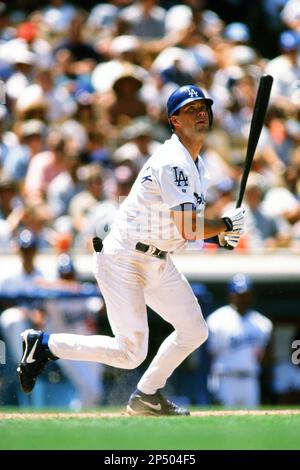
(150, 250)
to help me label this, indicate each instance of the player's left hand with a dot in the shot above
(234, 219)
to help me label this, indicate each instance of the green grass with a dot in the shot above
(128, 433)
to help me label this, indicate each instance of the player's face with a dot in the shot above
(242, 301)
(194, 116)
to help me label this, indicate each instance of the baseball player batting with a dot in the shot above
(165, 209)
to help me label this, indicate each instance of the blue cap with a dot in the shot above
(65, 265)
(184, 95)
(289, 40)
(237, 32)
(239, 284)
(26, 239)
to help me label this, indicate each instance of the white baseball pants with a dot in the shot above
(129, 280)
(237, 392)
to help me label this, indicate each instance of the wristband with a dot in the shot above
(228, 223)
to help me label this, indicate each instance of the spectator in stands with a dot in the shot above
(283, 200)
(32, 135)
(285, 68)
(58, 100)
(23, 65)
(238, 336)
(82, 53)
(97, 148)
(139, 143)
(261, 229)
(67, 183)
(8, 196)
(58, 15)
(101, 215)
(291, 15)
(91, 177)
(8, 201)
(45, 166)
(29, 33)
(127, 103)
(145, 18)
(282, 129)
(3, 145)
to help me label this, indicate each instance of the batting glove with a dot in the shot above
(234, 219)
(229, 238)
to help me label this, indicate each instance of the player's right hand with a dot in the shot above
(230, 238)
(234, 219)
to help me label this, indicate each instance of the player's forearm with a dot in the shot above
(213, 227)
(194, 226)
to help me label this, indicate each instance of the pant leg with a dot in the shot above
(228, 392)
(238, 392)
(173, 299)
(121, 282)
(249, 392)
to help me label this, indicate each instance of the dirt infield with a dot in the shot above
(48, 416)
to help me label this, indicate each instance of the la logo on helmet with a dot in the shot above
(192, 93)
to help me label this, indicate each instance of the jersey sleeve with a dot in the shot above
(175, 184)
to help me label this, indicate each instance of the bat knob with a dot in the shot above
(228, 247)
(97, 244)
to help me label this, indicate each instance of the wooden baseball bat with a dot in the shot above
(257, 121)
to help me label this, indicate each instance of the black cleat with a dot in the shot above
(141, 404)
(34, 359)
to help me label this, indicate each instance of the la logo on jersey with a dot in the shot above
(180, 179)
(192, 93)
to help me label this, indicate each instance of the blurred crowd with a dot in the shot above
(83, 106)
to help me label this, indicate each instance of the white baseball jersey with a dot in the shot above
(236, 341)
(169, 178)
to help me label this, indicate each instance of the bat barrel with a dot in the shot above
(257, 122)
(259, 113)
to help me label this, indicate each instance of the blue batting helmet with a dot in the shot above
(186, 94)
(239, 284)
